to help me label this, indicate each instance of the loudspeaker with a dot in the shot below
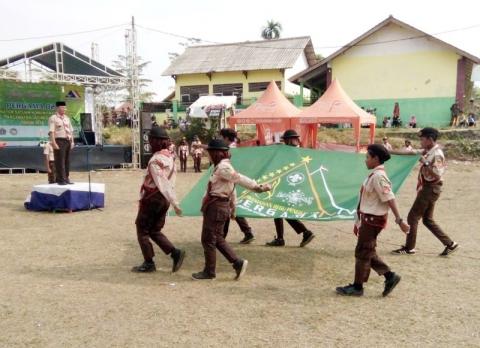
(89, 137)
(86, 122)
(146, 121)
(145, 149)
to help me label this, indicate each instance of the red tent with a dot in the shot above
(271, 113)
(334, 106)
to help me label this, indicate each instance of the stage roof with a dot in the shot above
(63, 59)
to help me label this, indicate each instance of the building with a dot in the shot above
(396, 63)
(243, 69)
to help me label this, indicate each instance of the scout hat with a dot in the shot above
(60, 103)
(159, 133)
(429, 132)
(217, 144)
(290, 133)
(379, 151)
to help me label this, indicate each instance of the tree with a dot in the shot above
(121, 65)
(272, 30)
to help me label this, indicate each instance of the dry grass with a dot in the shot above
(66, 281)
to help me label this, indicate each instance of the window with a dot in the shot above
(261, 86)
(193, 92)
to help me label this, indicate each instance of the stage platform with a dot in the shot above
(54, 197)
(32, 158)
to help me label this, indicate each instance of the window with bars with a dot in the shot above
(261, 86)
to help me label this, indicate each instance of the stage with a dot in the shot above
(31, 157)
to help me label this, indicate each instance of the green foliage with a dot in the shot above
(272, 30)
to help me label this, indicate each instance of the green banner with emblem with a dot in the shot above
(26, 107)
(306, 184)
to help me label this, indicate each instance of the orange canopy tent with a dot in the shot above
(272, 114)
(334, 106)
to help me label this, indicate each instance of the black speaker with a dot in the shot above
(145, 149)
(88, 137)
(86, 122)
(146, 120)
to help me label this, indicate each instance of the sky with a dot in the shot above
(329, 24)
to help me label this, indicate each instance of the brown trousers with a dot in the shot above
(366, 256)
(242, 223)
(215, 215)
(62, 159)
(183, 162)
(297, 226)
(197, 162)
(423, 208)
(51, 175)
(150, 221)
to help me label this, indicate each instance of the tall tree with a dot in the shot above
(272, 30)
(121, 65)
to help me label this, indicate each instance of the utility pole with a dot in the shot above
(134, 90)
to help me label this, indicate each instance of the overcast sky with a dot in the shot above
(329, 23)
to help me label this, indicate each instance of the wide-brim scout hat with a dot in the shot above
(379, 151)
(290, 133)
(217, 145)
(159, 133)
(428, 132)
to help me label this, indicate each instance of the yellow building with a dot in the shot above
(397, 63)
(243, 69)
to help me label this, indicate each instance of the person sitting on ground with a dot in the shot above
(385, 122)
(463, 121)
(408, 145)
(386, 144)
(413, 122)
(471, 120)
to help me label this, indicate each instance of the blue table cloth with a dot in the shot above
(53, 197)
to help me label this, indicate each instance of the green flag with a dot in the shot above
(306, 184)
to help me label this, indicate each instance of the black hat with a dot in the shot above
(429, 132)
(158, 132)
(60, 103)
(290, 133)
(228, 133)
(379, 151)
(217, 144)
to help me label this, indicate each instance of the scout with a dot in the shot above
(229, 136)
(157, 193)
(376, 197)
(49, 161)
(183, 155)
(291, 138)
(61, 137)
(197, 151)
(218, 206)
(429, 187)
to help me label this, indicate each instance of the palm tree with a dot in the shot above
(271, 30)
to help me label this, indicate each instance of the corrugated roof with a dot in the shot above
(243, 56)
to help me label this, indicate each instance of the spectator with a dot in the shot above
(413, 122)
(471, 120)
(387, 145)
(455, 111)
(463, 121)
(396, 122)
(385, 122)
(389, 122)
(408, 146)
(154, 122)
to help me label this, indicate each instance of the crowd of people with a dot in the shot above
(218, 207)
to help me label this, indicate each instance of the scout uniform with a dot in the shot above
(218, 205)
(297, 225)
(183, 155)
(62, 134)
(429, 187)
(197, 152)
(371, 219)
(157, 193)
(49, 162)
(231, 134)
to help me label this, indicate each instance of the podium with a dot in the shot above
(54, 197)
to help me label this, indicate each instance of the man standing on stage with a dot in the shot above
(291, 138)
(157, 194)
(61, 137)
(229, 136)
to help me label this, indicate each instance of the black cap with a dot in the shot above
(60, 103)
(379, 151)
(159, 133)
(290, 133)
(228, 133)
(217, 144)
(429, 132)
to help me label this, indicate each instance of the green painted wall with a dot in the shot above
(429, 111)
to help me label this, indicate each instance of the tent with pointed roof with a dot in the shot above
(272, 113)
(334, 106)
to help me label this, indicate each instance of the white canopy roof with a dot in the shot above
(198, 108)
